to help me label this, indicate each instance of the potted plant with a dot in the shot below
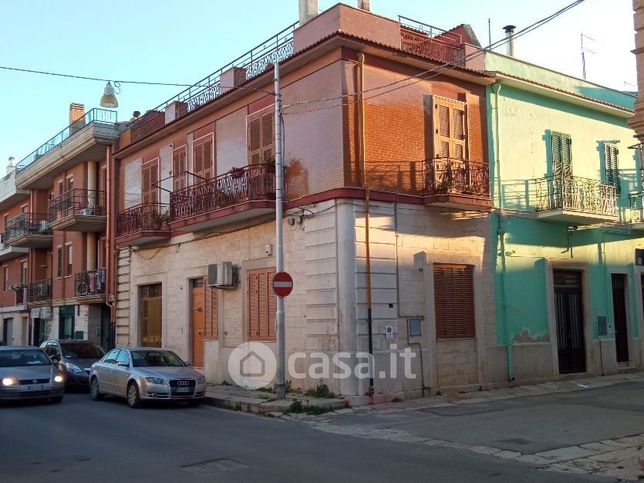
(160, 220)
(237, 172)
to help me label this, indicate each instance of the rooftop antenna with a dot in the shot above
(489, 31)
(585, 49)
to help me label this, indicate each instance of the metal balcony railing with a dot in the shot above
(40, 291)
(26, 224)
(143, 217)
(457, 176)
(250, 183)
(94, 116)
(578, 194)
(251, 64)
(91, 282)
(431, 42)
(77, 202)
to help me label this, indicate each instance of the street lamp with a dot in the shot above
(109, 99)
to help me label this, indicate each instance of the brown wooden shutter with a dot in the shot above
(450, 128)
(262, 304)
(212, 314)
(254, 141)
(475, 130)
(260, 137)
(179, 168)
(454, 301)
(151, 315)
(149, 180)
(267, 135)
(203, 165)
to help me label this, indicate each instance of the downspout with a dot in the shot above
(363, 156)
(109, 248)
(500, 234)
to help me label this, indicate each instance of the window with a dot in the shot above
(212, 321)
(69, 184)
(151, 315)
(450, 128)
(59, 261)
(260, 137)
(179, 168)
(611, 166)
(561, 145)
(5, 278)
(111, 356)
(69, 259)
(202, 158)
(123, 358)
(454, 301)
(262, 304)
(149, 180)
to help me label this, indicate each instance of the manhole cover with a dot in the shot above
(220, 465)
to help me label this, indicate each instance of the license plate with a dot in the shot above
(184, 389)
(35, 387)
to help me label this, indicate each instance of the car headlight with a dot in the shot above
(73, 367)
(201, 380)
(155, 380)
(58, 378)
(9, 381)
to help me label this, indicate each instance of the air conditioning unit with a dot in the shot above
(44, 226)
(42, 290)
(87, 211)
(221, 275)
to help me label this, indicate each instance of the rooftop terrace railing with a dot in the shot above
(96, 115)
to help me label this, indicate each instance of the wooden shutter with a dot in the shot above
(260, 137)
(179, 168)
(454, 301)
(212, 314)
(262, 304)
(203, 158)
(151, 316)
(149, 180)
(561, 145)
(611, 154)
(450, 128)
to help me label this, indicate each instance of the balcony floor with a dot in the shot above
(83, 223)
(459, 201)
(142, 238)
(575, 217)
(224, 216)
(35, 240)
(10, 252)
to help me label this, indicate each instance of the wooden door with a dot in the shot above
(569, 310)
(198, 299)
(619, 313)
(151, 315)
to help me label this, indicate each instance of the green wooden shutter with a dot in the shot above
(611, 165)
(561, 145)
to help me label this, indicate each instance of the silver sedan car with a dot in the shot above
(145, 374)
(27, 373)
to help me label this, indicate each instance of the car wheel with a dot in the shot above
(56, 399)
(133, 399)
(94, 390)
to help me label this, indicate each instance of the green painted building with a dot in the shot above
(566, 184)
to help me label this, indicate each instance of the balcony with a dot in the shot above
(431, 42)
(241, 194)
(78, 210)
(635, 215)
(456, 183)
(83, 140)
(39, 291)
(90, 285)
(7, 252)
(141, 224)
(576, 200)
(9, 194)
(29, 230)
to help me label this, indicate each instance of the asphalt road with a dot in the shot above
(85, 441)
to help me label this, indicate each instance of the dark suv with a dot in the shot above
(74, 357)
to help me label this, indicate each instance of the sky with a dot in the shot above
(183, 41)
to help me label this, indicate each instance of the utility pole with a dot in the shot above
(280, 388)
(583, 53)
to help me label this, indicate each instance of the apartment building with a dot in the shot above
(387, 205)
(567, 186)
(14, 266)
(62, 226)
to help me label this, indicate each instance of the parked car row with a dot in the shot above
(136, 374)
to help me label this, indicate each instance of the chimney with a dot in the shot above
(308, 10)
(509, 35)
(76, 111)
(364, 5)
(10, 166)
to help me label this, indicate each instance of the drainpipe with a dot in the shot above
(363, 156)
(109, 245)
(500, 234)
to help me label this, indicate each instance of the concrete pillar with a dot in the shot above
(92, 183)
(90, 262)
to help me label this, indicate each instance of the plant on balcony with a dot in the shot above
(237, 172)
(160, 220)
(443, 186)
(270, 160)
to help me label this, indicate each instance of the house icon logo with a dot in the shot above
(252, 365)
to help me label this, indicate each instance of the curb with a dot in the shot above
(266, 406)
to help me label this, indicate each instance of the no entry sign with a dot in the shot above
(282, 284)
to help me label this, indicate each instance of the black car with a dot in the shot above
(74, 358)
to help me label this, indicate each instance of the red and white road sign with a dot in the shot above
(282, 284)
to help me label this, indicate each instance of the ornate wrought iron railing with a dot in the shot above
(91, 282)
(102, 116)
(432, 42)
(77, 202)
(26, 224)
(575, 193)
(39, 291)
(143, 217)
(250, 183)
(636, 208)
(457, 176)
(251, 64)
